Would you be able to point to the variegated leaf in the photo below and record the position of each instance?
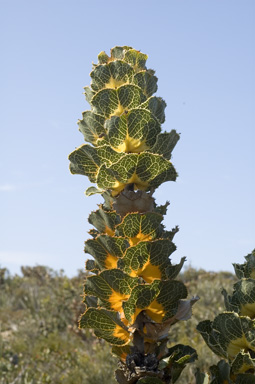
(106, 325)
(106, 250)
(243, 299)
(160, 300)
(148, 259)
(228, 334)
(140, 227)
(104, 221)
(111, 287)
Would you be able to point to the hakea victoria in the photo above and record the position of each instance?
(131, 295)
(231, 334)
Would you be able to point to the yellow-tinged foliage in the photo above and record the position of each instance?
(116, 299)
(134, 316)
(132, 145)
(252, 274)
(148, 272)
(156, 311)
(139, 237)
(118, 111)
(113, 83)
(121, 333)
(236, 345)
(138, 184)
(108, 231)
(244, 368)
(248, 310)
(111, 261)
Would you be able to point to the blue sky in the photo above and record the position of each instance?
(203, 54)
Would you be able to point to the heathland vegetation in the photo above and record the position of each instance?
(40, 341)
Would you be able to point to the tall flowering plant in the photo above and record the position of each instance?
(131, 294)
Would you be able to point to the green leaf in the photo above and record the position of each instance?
(90, 302)
(140, 226)
(130, 96)
(109, 102)
(247, 269)
(177, 358)
(136, 59)
(156, 105)
(221, 373)
(103, 58)
(87, 160)
(108, 156)
(155, 330)
(170, 234)
(171, 292)
(242, 363)
(111, 75)
(89, 93)
(162, 209)
(111, 287)
(243, 299)
(92, 127)
(108, 200)
(165, 144)
(228, 334)
(141, 297)
(121, 352)
(92, 266)
(119, 52)
(106, 326)
(134, 131)
(147, 82)
(144, 170)
(148, 259)
(106, 250)
(205, 328)
(94, 233)
(160, 300)
(92, 191)
(104, 221)
(105, 102)
(172, 271)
